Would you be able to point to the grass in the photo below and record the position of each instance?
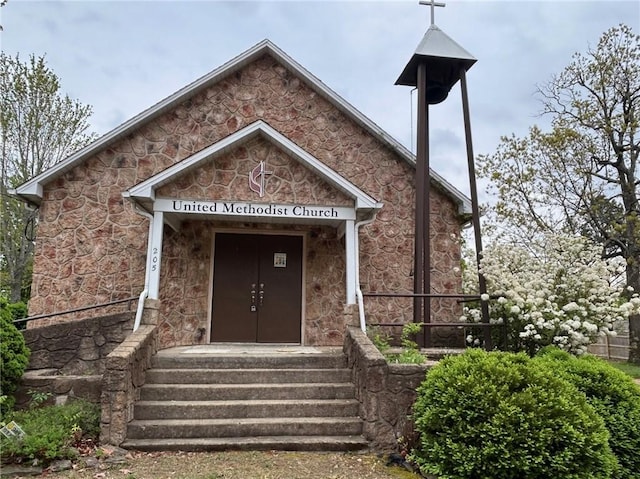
(631, 369)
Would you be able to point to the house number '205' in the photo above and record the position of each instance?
(154, 259)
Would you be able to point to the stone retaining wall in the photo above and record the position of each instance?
(67, 360)
(386, 391)
(79, 347)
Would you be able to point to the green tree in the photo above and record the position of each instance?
(581, 177)
(38, 127)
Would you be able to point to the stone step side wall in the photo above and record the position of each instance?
(386, 392)
(122, 380)
(124, 375)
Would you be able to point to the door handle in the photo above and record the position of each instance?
(253, 308)
(261, 293)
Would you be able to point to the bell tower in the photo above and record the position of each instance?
(437, 64)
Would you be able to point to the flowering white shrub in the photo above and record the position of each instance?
(560, 293)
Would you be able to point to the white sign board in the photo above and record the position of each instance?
(270, 210)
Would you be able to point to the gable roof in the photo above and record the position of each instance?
(32, 190)
(144, 192)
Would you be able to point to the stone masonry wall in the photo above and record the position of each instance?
(125, 374)
(80, 347)
(91, 245)
(67, 360)
(126, 367)
(386, 391)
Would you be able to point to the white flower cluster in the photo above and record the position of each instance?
(563, 294)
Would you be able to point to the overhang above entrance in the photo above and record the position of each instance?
(178, 209)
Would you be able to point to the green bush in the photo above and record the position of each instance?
(615, 398)
(501, 415)
(51, 431)
(14, 356)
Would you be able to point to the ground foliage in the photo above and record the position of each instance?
(52, 432)
(409, 352)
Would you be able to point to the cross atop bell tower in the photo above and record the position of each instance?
(432, 4)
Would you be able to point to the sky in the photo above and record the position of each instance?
(122, 56)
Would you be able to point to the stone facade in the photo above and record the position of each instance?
(91, 245)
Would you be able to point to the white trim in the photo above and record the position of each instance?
(230, 209)
(350, 250)
(155, 259)
(32, 190)
(145, 292)
(360, 297)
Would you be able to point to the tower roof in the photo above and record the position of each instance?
(438, 46)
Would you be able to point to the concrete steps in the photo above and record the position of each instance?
(204, 392)
(239, 376)
(247, 427)
(247, 408)
(262, 443)
(244, 401)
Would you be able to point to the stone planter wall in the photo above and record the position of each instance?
(60, 388)
(386, 391)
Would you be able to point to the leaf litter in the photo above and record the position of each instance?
(239, 465)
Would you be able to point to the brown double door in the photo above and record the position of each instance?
(257, 288)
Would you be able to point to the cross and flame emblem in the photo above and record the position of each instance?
(257, 177)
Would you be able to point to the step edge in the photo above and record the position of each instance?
(242, 421)
(248, 402)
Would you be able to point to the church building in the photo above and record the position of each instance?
(255, 205)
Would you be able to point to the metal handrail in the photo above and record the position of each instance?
(454, 324)
(428, 324)
(463, 297)
(423, 295)
(77, 310)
